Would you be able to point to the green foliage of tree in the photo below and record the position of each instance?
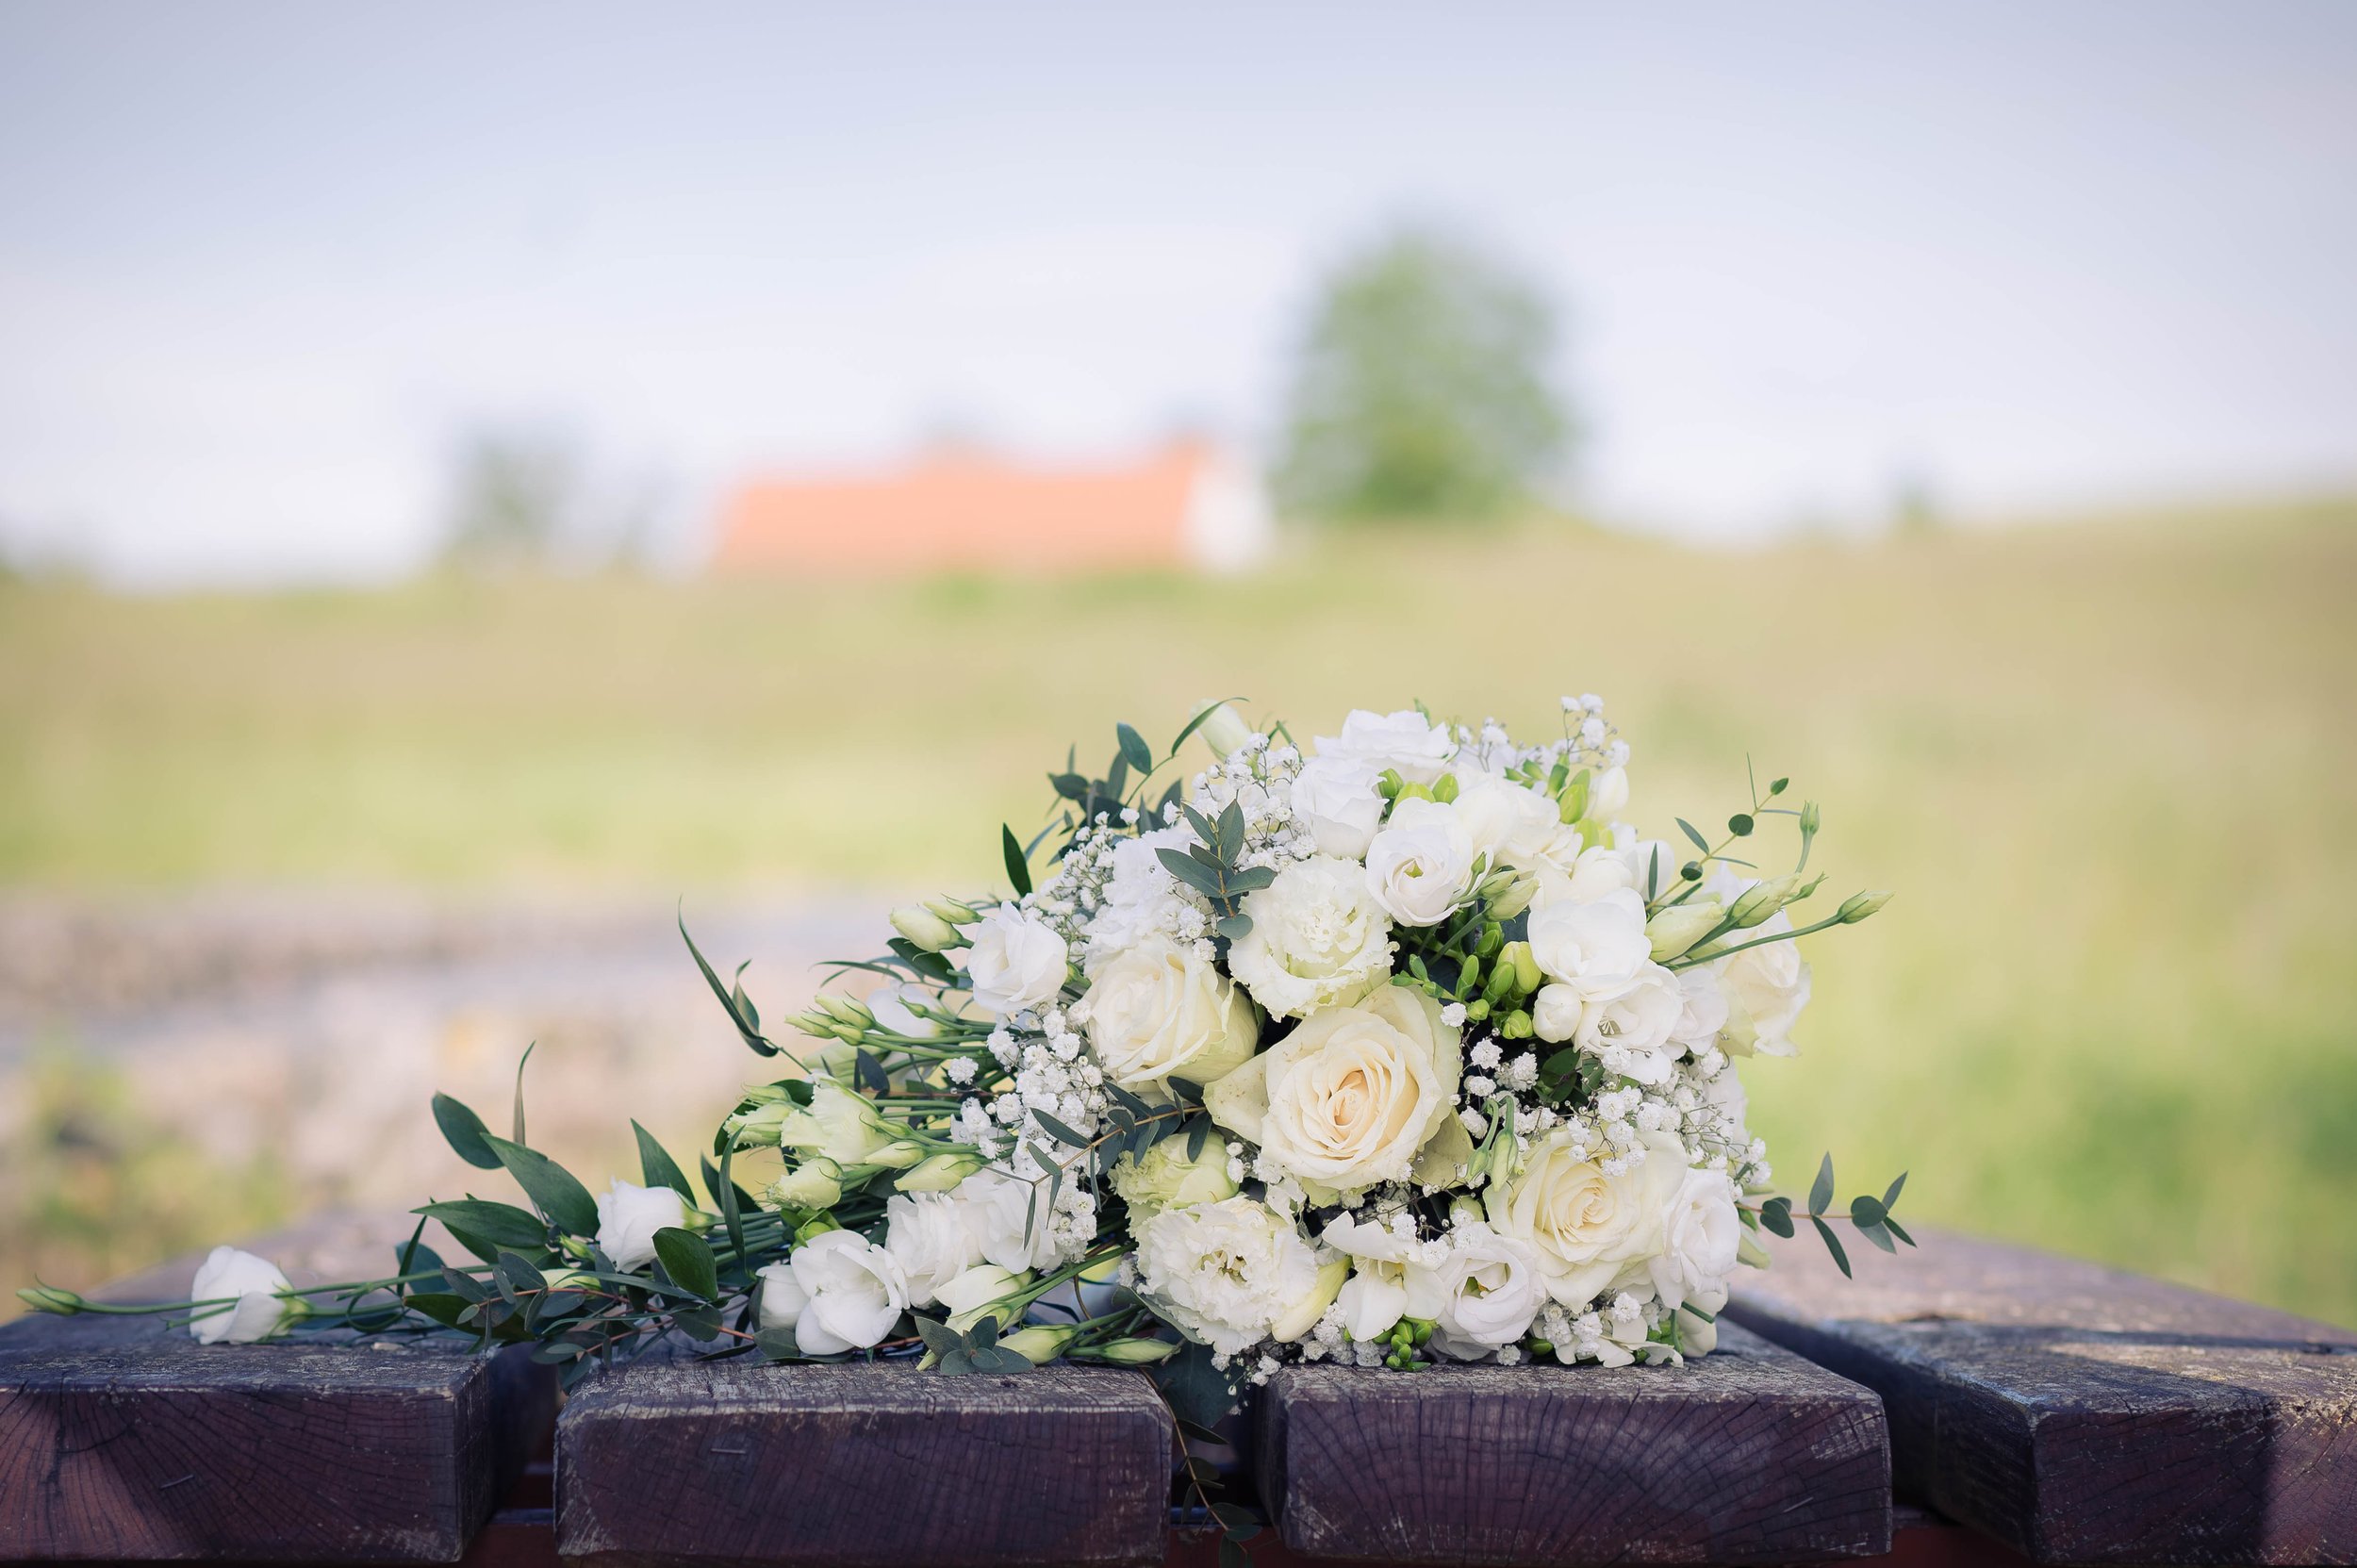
(1423, 389)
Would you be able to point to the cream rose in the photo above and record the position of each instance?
(1354, 1096)
(1420, 866)
(628, 1217)
(1157, 1010)
(1588, 1226)
(1318, 938)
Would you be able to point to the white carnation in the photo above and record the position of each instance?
(1225, 1273)
(1318, 939)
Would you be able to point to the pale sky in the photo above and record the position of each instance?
(262, 268)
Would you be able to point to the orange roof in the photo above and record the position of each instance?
(956, 508)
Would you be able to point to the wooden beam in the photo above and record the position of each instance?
(1747, 1455)
(122, 1438)
(2081, 1413)
(675, 1462)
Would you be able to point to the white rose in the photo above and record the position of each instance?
(1140, 898)
(1482, 1296)
(1420, 866)
(259, 1311)
(1157, 1010)
(1354, 1096)
(1376, 1296)
(1336, 798)
(1587, 1225)
(1318, 938)
(1017, 963)
(628, 1217)
(1631, 1032)
(1165, 1177)
(1224, 1273)
(850, 1293)
(1700, 1237)
(1006, 1228)
(1766, 987)
(932, 1236)
(1598, 950)
(1407, 741)
(838, 1124)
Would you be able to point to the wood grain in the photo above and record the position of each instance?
(2081, 1413)
(1750, 1455)
(673, 1461)
(122, 1438)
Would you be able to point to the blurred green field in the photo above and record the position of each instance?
(2108, 766)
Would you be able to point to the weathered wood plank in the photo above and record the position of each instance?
(672, 1460)
(2081, 1413)
(123, 1439)
(1750, 1455)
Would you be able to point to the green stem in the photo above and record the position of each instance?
(1692, 959)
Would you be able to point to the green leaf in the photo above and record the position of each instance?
(519, 1118)
(1240, 1522)
(500, 1224)
(1821, 1190)
(1018, 869)
(700, 1324)
(869, 1072)
(1251, 879)
(1198, 1134)
(1740, 825)
(687, 1258)
(1234, 927)
(1891, 1197)
(1193, 872)
(1059, 1131)
(518, 1274)
(1231, 1553)
(1196, 723)
(733, 1202)
(443, 1309)
(1876, 1234)
(1865, 1212)
(1192, 1388)
(749, 1031)
(1071, 786)
(1688, 830)
(464, 1131)
(1231, 831)
(1134, 749)
(658, 1167)
(552, 1188)
(414, 1257)
(1833, 1244)
(1776, 1215)
(1893, 1227)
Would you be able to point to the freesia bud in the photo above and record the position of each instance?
(1763, 901)
(1388, 784)
(49, 1298)
(817, 1225)
(1444, 788)
(978, 1293)
(1303, 1315)
(1509, 894)
(941, 1172)
(1681, 925)
(1528, 975)
(1225, 732)
(899, 1154)
(1748, 1249)
(812, 1184)
(1039, 1344)
(1517, 1026)
(1858, 906)
(956, 912)
(1135, 1352)
(923, 927)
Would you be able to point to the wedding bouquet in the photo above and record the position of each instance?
(1406, 1048)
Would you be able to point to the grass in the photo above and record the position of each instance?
(2108, 767)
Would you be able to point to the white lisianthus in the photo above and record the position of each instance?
(1632, 1032)
(1498, 815)
(1017, 962)
(932, 1236)
(1421, 866)
(1157, 1010)
(1223, 728)
(1597, 949)
(1140, 898)
(260, 1311)
(1318, 938)
(1376, 1296)
(838, 1124)
(628, 1217)
(1354, 1096)
(1006, 1230)
(978, 1293)
(1406, 741)
(1766, 987)
(895, 1010)
(1556, 1013)
(1608, 794)
(1225, 1273)
(1336, 798)
(1700, 1237)
(1482, 1296)
(1724, 1091)
(1655, 861)
(838, 1292)
(1703, 1012)
(1164, 1177)
(1587, 1225)
(1699, 1336)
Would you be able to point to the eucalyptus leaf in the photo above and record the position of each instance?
(1694, 835)
(1833, 1244)
(1821, 1190)
(1133, 747)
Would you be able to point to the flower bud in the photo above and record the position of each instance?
(49, 1298)
(979, 1293)
(1858, 906)
(1303, 1315)
(1517, 1025)
(1572, 803)
(1681, 925)
(1444, 788)
(941, 1172)
(812, 1184)
(1810, 819)
(1039, 1344)
(1528, 975)
(1388, 784)
(1478, 1009)
(817, 1225)
(1509, 893)
(570, 1279)
(923, 927)
(899, 1154)
(956, 911)
(1224, 730)
(1762, 901)
(845, 1011)
(1135, 1352)
(1748, 1249)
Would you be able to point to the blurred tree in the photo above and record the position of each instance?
(514, 498)
(1423, 389)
